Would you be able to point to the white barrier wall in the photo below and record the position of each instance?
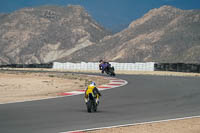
(149, 66)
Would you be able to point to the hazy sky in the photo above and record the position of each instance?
(112, 14)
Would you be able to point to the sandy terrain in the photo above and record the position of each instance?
(22, 86)
(176, 126)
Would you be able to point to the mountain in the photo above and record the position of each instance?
(46, 33)
(52, 33)
(166, 34)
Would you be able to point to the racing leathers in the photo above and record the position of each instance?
(94, 91)
(104, 66)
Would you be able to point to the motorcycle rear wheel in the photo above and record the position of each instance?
(89, 106)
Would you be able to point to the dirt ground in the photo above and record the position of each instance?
(175, 126)
(23, 86)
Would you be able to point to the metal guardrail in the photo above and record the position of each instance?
(45, 65)
(177, 67)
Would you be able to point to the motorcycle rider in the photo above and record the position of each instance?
(103, 66)
(92, 89)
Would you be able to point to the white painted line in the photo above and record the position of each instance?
(134, 124)
(75, 92)
(101, 89)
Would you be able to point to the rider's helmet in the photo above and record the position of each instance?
(93, 83)
(100, 61)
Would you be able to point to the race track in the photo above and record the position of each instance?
(144, 98)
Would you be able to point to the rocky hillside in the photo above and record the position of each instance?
(46, 34)
(166, 34)
(51, 33)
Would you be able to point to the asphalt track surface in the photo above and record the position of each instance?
(143, 99)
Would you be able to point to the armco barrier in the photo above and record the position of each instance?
(46, 65)
(149, 66)
(177, 67)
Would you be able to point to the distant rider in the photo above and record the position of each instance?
(103, 66)
(92, 89)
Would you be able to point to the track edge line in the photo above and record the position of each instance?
(133, 124)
